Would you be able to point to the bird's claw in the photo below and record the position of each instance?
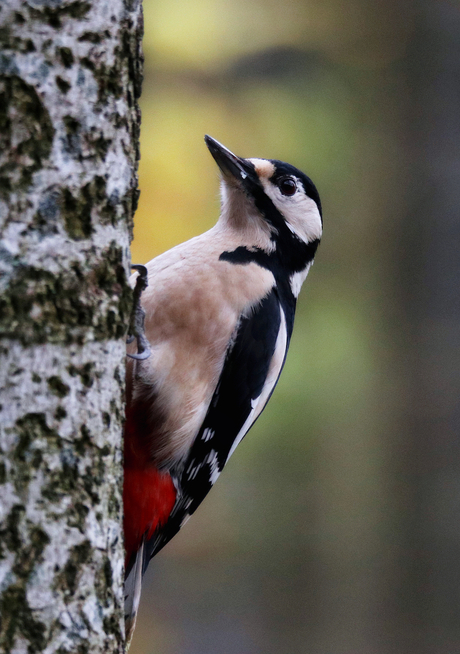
(136, 325)
(141, 355)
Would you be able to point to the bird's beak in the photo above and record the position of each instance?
(229, 164)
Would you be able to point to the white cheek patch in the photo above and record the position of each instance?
(300, 211)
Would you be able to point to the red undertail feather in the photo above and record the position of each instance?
(148, 495)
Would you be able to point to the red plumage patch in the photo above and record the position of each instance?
(148, 497)
(148, 494)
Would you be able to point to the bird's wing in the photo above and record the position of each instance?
(253, 363)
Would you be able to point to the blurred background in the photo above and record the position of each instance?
(335, 528)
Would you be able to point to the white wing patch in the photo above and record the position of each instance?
(213, 462)
(276, 364)
(193, 470)
(207, 434)
(297, 279)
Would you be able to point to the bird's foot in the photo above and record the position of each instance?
(136, 323)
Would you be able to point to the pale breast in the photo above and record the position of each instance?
(192, 306)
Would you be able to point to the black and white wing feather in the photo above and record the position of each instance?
(253, 363)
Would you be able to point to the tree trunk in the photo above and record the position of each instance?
(70, 76)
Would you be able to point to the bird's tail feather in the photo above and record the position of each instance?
(133, 585)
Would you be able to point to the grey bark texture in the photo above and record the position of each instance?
(70, 76)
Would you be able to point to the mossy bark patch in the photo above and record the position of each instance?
(89, 301)
(26, 133)
(18, 621)
(55, 13)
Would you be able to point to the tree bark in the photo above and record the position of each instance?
(70, 76)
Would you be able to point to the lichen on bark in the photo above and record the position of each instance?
(70, 77)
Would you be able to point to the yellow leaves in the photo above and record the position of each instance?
(204, 33)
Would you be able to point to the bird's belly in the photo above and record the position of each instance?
(171, 391)
(185, 393)
(189, 325)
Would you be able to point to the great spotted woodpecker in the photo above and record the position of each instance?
(219, 312)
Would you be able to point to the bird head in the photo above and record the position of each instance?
(277, 197)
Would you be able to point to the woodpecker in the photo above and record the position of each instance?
(219, 313)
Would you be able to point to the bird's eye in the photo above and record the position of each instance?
(287, 186)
